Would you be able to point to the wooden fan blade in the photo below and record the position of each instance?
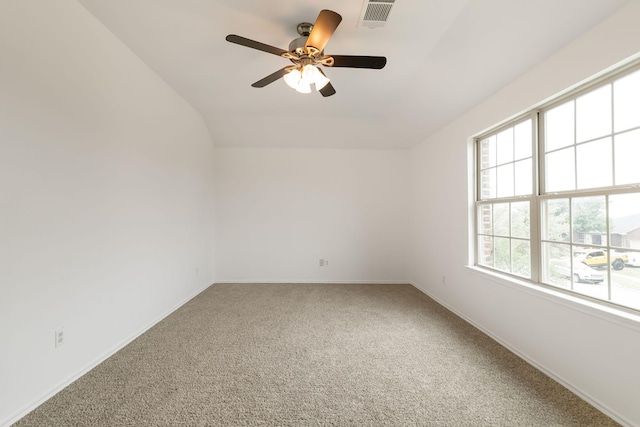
(271, 78)
(243, 41)
(354, 61)
(323, 29)
(328, 90)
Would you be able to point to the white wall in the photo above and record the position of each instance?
(106, 198)
(278, 211)
(106, 207)
(590, 351)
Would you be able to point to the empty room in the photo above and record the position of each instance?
(364, 212)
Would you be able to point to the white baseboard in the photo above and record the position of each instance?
(548, 372)
(346, 282)
(46, 396)
(66, 382)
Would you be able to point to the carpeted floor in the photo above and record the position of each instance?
(321, 354)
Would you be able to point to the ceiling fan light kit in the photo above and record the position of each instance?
(302, 79)
(307, 54)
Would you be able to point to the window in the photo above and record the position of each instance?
(506, 189)
(558, 193)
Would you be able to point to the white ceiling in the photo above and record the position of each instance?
(443, 57)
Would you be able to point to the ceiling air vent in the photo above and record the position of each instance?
(375, 13)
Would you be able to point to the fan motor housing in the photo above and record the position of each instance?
(297, 43)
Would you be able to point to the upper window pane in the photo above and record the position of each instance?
(561, 170)
(593, 114)
(522, 137)
(626, 102)
(559, 126)
(488, 184)
(595, 168)
(505, 146)
(504, 179)
(522, 176)
(488, 152)
(505, 162)
(627, 149)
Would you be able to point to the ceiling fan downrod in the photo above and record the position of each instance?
(304, 28)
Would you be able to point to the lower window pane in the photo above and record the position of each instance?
(625, 283)
(624, 223)
(502, 253)
(501, 219)
(592, 287)
(556, 264)
(555, 220)
(521, 257)
(485, 251)
(596, 257)
(590, 271)
(587, 272)
(575, 273)
(485, 219)
(589, 220)
(520, 220)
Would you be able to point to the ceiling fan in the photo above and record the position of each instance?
(307, 53)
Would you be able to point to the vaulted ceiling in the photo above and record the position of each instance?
(443, 58)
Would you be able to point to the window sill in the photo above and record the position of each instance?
(604, 311)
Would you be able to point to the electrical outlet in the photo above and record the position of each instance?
(321, 262)
(326, 263)
(59, 336)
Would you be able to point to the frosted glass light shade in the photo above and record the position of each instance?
(301, 79)
(313, 75)
(292, 78)
(303, 87)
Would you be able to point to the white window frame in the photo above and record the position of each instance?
(531, 198)
(539, 195)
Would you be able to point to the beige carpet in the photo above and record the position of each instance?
(320, 355)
